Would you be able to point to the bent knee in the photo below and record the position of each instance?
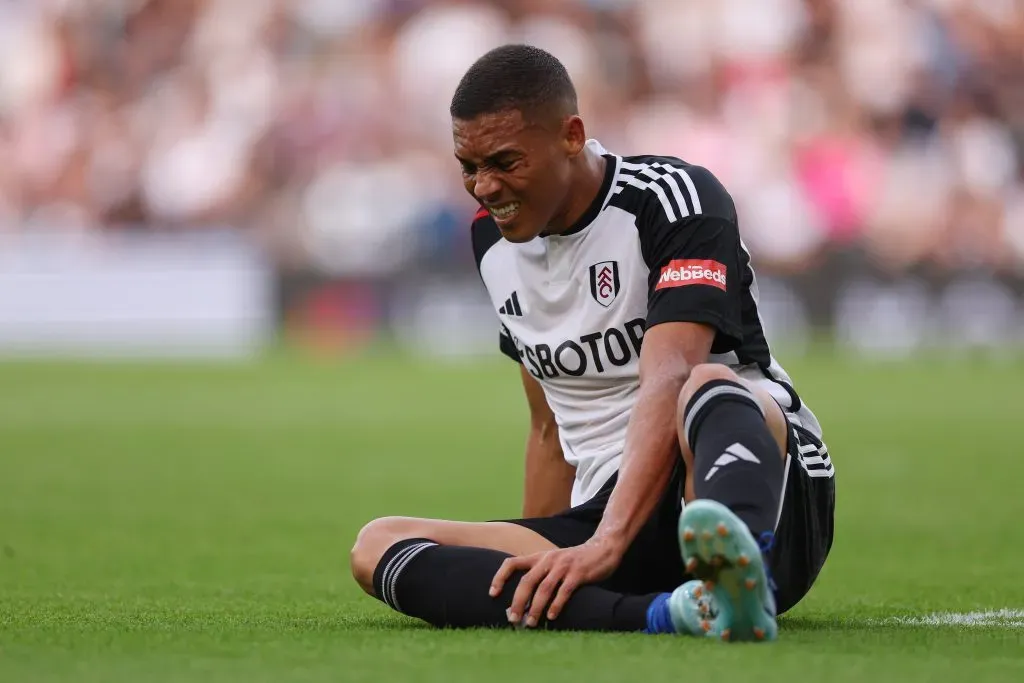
(372, 542)
(699, 376)
(708, 372)
(704, 373)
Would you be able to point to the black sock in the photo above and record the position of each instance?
(736, 459)
(448, 586)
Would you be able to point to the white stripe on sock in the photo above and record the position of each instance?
(387, 571)
(712, 393)
(413, 552)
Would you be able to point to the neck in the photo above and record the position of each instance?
(588, 177)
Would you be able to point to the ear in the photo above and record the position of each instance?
(574, 135)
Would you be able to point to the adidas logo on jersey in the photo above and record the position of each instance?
(692, 272)
(735, 452)
(511, 307)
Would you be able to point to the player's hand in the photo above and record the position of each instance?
(553, 574)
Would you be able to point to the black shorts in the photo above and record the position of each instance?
(803, 535)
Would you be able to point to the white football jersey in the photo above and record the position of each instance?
(660, 243)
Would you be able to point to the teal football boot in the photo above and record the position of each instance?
(692, 609)
(733, 599)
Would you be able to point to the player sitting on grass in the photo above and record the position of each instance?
(627, 296)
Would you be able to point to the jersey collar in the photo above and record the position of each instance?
(595, 206)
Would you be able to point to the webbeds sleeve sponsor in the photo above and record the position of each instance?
(682, 272)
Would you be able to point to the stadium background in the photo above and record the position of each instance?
(270, 183)
(214, 175)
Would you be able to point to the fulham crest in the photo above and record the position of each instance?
(604, 282)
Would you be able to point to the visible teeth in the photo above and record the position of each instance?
(506, 210)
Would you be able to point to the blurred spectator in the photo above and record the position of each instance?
(895, 127)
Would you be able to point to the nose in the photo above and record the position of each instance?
(486, 187)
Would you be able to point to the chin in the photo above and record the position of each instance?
(518, 234)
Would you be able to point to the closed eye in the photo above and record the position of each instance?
(503, 163)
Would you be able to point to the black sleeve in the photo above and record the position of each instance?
(508, 345)
(694, 265)
(484, 235)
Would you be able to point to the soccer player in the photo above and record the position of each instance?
(626, 295)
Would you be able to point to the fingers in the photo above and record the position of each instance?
(525, 591)
(544, 592)
(550, 578)
(569, 584)
(509, 567)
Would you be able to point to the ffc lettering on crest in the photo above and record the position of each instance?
(604, 282)
(682, 272)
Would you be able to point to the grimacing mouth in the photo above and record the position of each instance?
(505, 210)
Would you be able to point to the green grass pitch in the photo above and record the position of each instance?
(192, 522)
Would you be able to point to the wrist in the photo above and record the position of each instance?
(613, 542)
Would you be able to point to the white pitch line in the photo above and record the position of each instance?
(1001, 618)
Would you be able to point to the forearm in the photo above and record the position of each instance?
(548, 478)
(648, 459)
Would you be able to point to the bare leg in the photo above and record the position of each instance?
(380, 534)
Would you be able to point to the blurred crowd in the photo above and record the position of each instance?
(894, 128)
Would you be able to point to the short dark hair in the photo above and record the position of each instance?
(519, 77)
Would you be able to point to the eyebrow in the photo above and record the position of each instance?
(497, 156)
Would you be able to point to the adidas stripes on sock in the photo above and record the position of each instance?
(736, 459)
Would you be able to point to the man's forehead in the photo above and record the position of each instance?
(491, 131)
